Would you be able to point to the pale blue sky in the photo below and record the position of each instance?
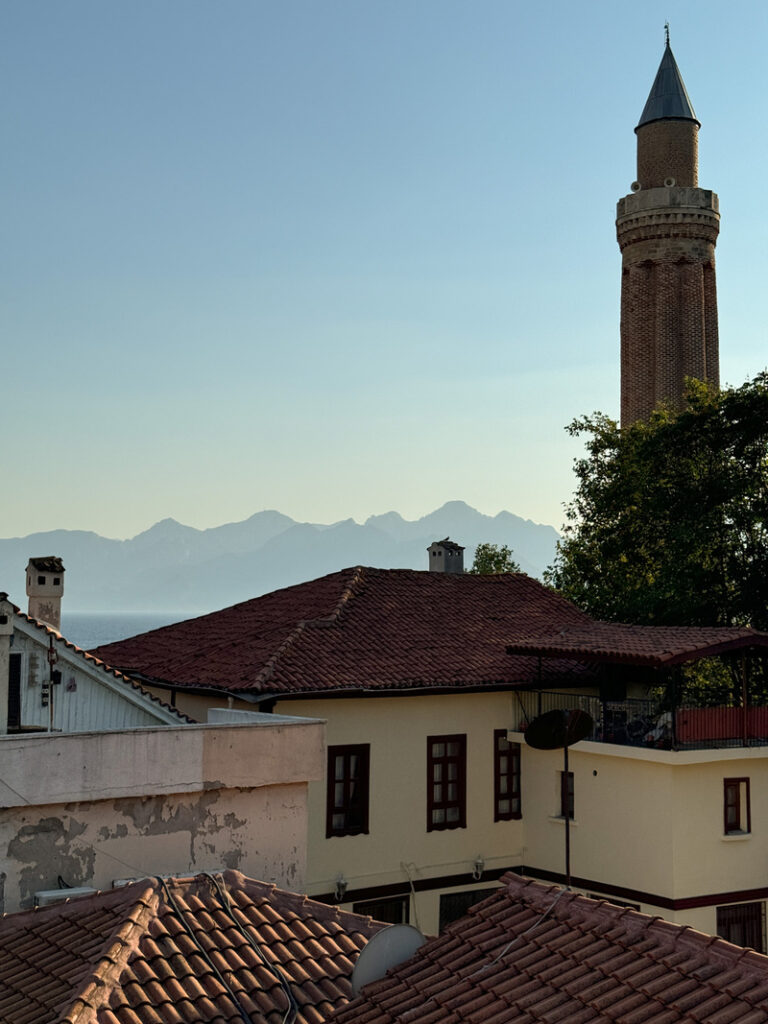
(334, 256)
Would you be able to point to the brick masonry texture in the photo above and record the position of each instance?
(668, 296)
(668, 149)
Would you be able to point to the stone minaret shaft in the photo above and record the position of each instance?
(667, 231)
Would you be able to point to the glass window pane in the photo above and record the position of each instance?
(453, 792)
(453, 749)
(438, 816)
(452, 814)
(437, 794)
(338, 821)
(438, 750)
(504, 807)
(338, 794)
(437, 772)
(338, 767)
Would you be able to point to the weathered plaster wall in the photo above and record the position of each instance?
(259, 831)
(93, 807)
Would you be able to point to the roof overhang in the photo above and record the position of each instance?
(650, 646)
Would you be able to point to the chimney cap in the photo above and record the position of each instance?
(47, 563)
(448, 544)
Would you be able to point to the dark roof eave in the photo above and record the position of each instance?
(655, 120)
(744, 644)
(263, 697)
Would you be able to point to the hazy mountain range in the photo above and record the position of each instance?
(172, 567)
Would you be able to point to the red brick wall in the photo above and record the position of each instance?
(668, 149)
(668, 297)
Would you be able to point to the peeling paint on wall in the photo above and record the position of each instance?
(49, 849)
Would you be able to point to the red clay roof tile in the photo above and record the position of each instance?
(637, 645)
(359, 629)
(607, 976)
(80, 974)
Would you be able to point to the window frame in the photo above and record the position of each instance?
(733, 786)
(460, 760)
(742, 917)
(373, 908)
(567, 796)
(512, 776)
(332, 808)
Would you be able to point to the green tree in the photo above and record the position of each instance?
(668, 523)
(491, 558)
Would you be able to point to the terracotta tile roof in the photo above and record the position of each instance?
(178, 951)
(536, 954)
(101, 665)
(359, 629)
(638, 645)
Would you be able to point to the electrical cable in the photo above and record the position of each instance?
(407, 869)
(224, 901)
(522, 935)
(176, 909)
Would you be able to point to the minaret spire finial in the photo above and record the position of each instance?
(666, 32)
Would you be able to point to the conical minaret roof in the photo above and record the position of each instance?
(668, 98)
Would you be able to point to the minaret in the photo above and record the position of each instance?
(667, 229)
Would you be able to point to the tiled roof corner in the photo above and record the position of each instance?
(536, 954)
(201, 948)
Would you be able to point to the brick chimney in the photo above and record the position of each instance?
(446, 556)
(45, 585)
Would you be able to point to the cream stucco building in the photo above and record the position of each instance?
(426, 681)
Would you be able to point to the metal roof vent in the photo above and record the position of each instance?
(46, 897)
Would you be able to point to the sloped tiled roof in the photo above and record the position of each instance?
(536, 954)
(181, 951)
(94, 662)
(639, 645)
(359, 629)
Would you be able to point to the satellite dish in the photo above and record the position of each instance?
(557, 729)
(388, 948)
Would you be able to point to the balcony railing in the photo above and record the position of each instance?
(641, 723)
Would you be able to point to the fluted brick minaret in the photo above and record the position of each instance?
(667, 229)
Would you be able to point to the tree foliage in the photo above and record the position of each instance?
(492, 558)
(668, 524)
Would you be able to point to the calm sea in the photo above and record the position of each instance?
(91, 629)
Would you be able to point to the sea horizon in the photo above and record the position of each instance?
(93, 629)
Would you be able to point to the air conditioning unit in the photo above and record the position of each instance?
(45, 897)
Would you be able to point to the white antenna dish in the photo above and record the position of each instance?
(388, 948)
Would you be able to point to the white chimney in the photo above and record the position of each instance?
(446, 556)
(45, 585)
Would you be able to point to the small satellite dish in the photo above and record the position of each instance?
(559, 728)
(388, 948)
